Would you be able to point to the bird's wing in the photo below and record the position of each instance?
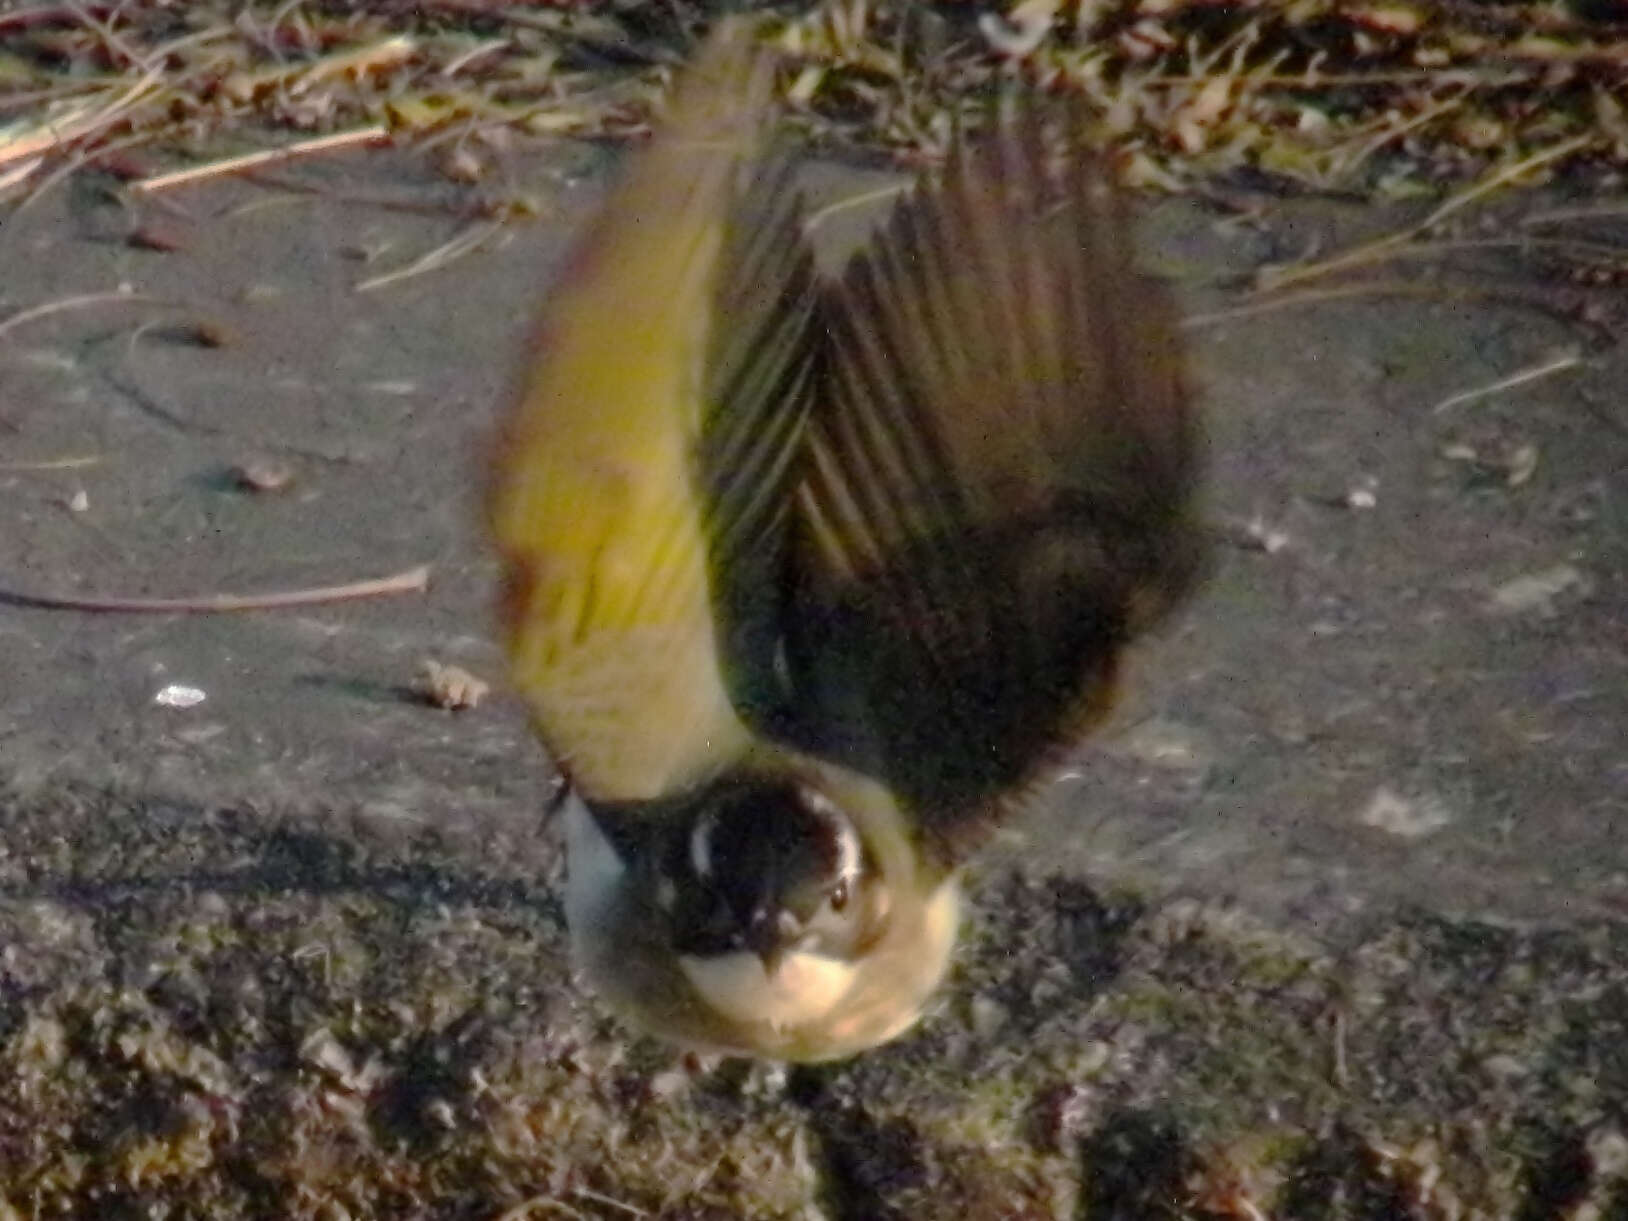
(1001, 469)
(759, 382)
(601, 504)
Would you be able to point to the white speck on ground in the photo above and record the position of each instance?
(1407, 817)
(1537, 591)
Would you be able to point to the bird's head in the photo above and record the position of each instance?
(785, 912)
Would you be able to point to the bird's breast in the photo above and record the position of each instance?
(803, 988)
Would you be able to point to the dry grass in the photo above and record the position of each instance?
(1457, 100)
(1378, 97)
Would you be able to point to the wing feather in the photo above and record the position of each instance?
(605, 502)
(1000, 481)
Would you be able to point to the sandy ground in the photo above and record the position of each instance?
(1327, 925)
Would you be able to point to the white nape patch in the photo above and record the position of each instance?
(848, 846)
(701, 846)
(804, 989)
(837, 823)
(593, 870)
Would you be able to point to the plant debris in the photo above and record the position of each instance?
(263, 473)
(450, 687)
(1389, 99)
(413, 580)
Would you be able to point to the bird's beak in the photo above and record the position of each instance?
(771, 958)
(766, 939)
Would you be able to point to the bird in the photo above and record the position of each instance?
(812, 580)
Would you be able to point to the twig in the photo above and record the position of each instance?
(250, 161)
(413, 580)
(1557, 364)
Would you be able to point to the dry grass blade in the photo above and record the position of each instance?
(91, 118)
(413, 580)
(1556, 364)
(302, 77)
(55, 464)
(449, 252)
(20, 172)
(1344, 292)
(258, 160)
(862, 199)
(1338, 97)
(81, 301)
(1275, 279)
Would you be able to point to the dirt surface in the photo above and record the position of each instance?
(1325, 926)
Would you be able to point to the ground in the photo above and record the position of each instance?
(1328, 924)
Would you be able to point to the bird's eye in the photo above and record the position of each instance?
(839, 896)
